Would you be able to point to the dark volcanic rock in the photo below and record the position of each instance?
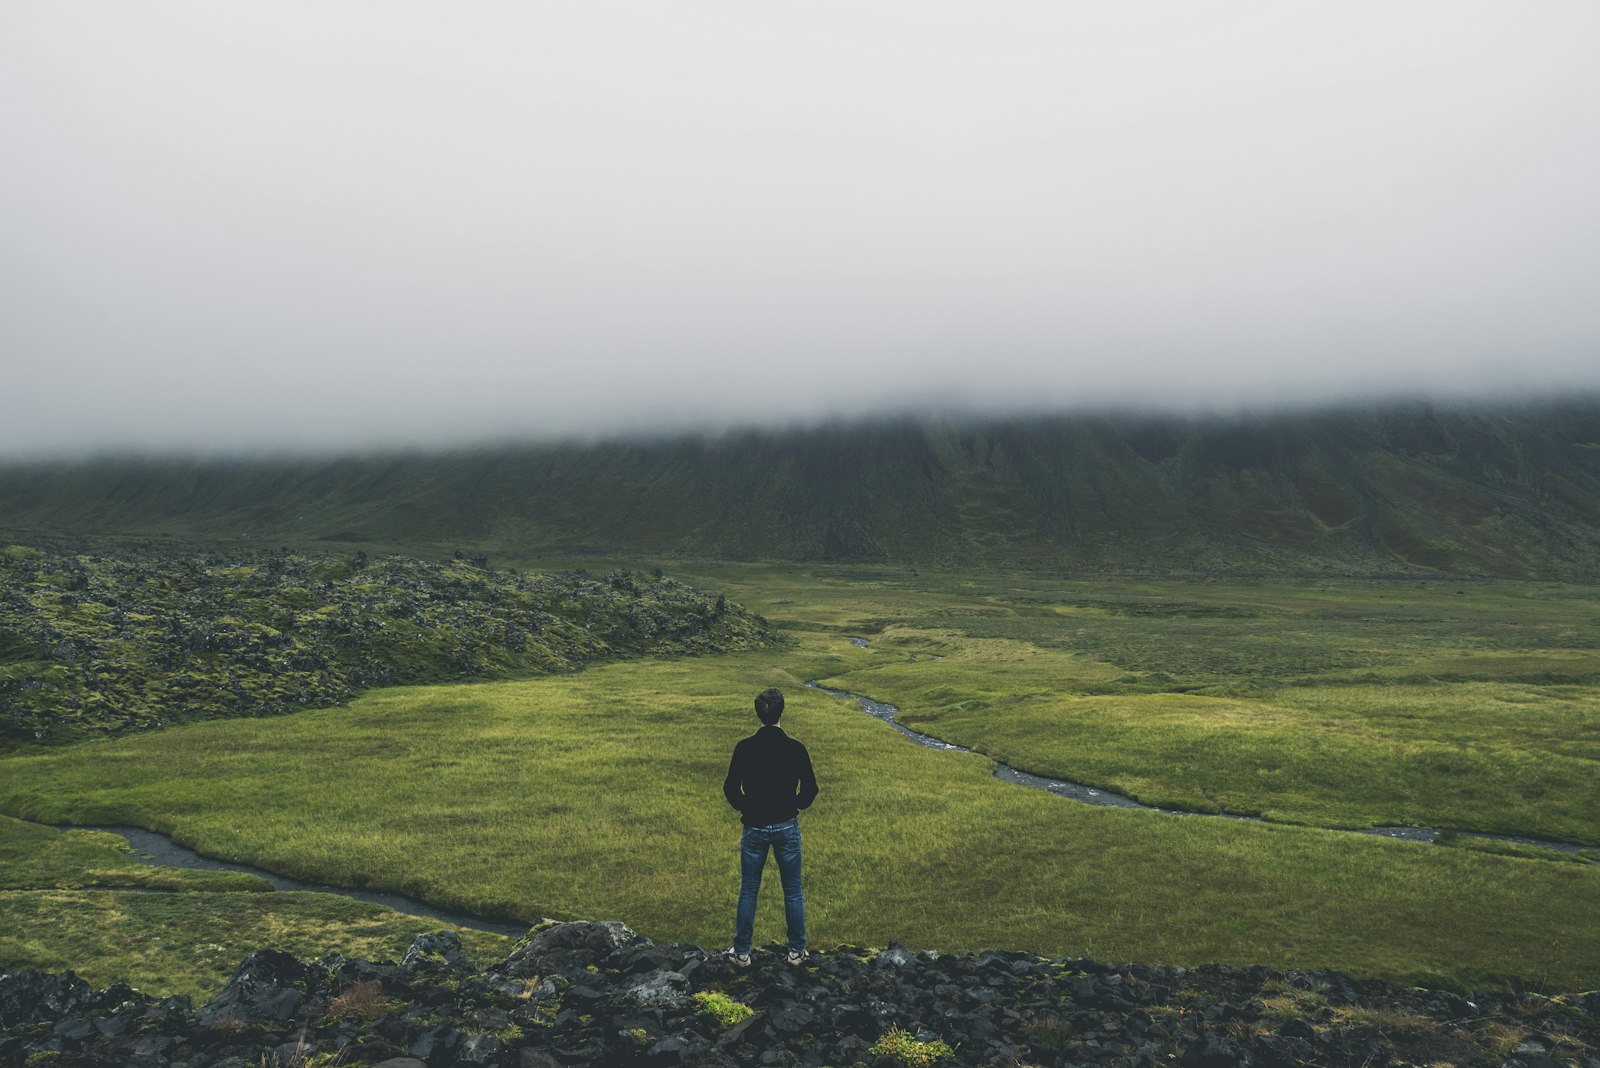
(31, 995)
(268, 985)
(597, 993)
(563, 947)
(439, 953)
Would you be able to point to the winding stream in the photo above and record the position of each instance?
(1092, 795)
(155, 848)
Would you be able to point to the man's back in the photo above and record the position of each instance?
(769, 781)
(769, 778)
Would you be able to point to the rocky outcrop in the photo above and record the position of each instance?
(150, 636)
(597, 993)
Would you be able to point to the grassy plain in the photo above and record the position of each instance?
(597, 795)
(78, 900)
(1473, 706)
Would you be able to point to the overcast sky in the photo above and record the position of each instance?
(243, 225)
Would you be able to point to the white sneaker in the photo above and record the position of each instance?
(737, 959)
(799, 956)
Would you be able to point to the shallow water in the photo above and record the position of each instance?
(155, 848)
(1093, 795)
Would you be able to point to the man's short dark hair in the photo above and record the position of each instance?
(769, 705)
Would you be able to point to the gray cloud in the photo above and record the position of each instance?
(324, 225)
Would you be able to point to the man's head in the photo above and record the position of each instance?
(769, 705)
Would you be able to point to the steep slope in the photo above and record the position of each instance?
(1510, 490)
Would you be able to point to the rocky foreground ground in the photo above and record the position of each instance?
(597, 993)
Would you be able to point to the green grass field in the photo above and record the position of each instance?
(597, 795)
(1469, 706)
(77, 900)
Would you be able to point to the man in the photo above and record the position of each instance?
(769, 781)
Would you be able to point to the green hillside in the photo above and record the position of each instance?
(1508, 490)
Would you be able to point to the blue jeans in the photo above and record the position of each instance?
(784, 839)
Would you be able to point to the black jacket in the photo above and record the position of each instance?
(769, 778)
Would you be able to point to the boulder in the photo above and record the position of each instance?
(1214, 1051)
(434, 955)
(267, 985)
(664, 988)
(567, 947)
(437, 1044)
(895, 957)
(791, 1017)
(33, 996)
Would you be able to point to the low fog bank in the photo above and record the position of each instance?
(307, 227)
(314, 402)
(371, 440)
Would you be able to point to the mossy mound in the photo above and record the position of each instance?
(94, 645)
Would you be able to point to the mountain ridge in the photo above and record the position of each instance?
(1507, 490)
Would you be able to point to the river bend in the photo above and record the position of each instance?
(1092, 795)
